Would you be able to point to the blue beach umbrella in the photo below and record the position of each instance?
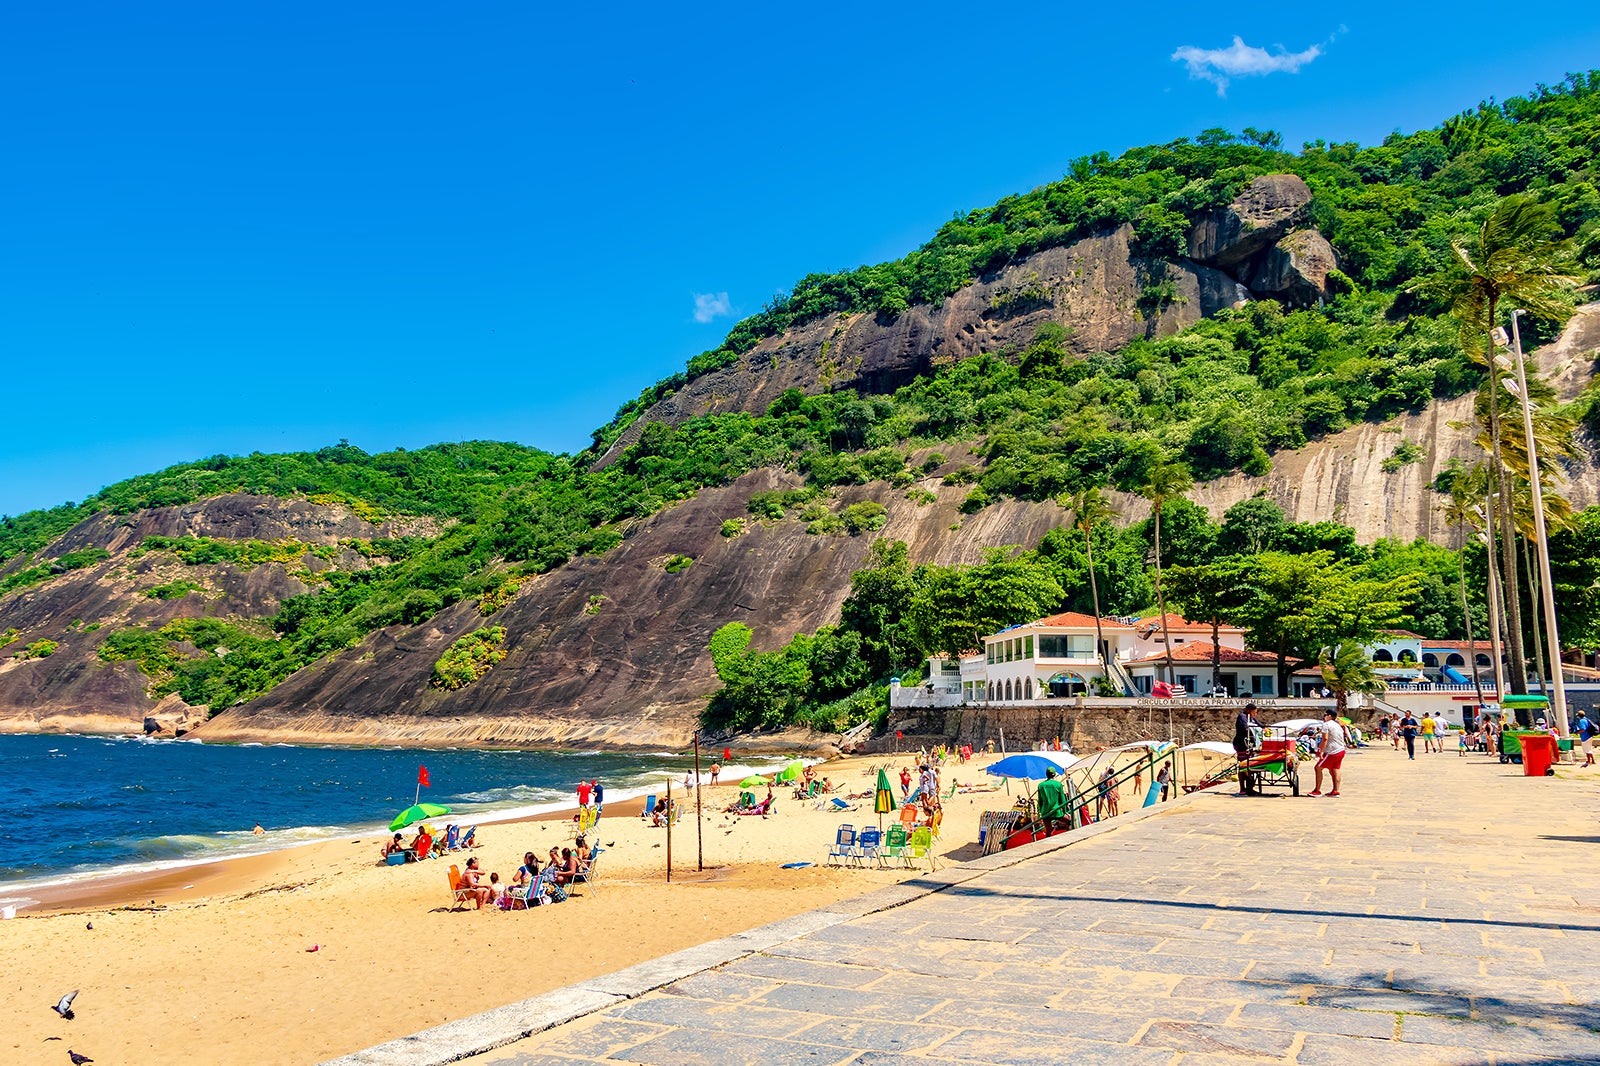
(1026, 766)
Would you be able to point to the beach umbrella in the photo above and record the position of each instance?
(1028, 765)
(792, 771)
(416, 813)
(883, 801)
(753, 781)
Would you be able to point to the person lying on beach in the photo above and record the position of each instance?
(473, 883)
(394, 847)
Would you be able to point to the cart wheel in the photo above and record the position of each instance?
(1549, 771)
(1504, 758)
(1294, 783)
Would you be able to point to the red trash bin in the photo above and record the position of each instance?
(1538, 754)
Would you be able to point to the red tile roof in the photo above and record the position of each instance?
(1077, 620)
(1200, 651)
(1178, 622)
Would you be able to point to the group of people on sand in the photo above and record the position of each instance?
(561, 869)
(423, 844)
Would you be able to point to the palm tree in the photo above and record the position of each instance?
(1089, 509)
(1461, 512)
(1167, 481)
(1346, 669)
(1515, 257)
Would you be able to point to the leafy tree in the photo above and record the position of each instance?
(1214, 592)
(955, 607)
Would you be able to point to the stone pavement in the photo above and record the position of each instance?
(1436, 913)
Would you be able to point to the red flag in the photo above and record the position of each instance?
(899, 735)
(727, 754)
(422, 777)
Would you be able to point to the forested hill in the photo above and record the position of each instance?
(1212, 302)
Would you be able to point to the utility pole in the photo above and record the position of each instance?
(699, 830)
(1559, 704)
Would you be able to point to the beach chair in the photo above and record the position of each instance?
(425, 849)
(589, 874)
(521, 897)
(844, 844)
(894, 846)
(867, 843)
(649, 807)
(467, 840)
(452, 839)
(458, 895)
(920, 847)
(908, 818)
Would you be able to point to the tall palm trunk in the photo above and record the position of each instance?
(1518, 679)
(1540, 663)
(1466, 615)
(1496, 613)
(1094, 593)
(1161, 605)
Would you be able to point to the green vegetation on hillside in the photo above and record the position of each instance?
(1219, 397)
(469, 658)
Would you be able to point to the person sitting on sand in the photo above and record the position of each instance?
(554, 860)
(418, 846)
(583, 852)
(496, 889)
(567, 868)
(472, 882)
(527, 871)
(394, 847)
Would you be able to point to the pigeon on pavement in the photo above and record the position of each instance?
(77, 1059)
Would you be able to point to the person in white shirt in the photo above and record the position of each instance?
(1330, 752)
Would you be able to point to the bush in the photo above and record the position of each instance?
(976, 500)
(469, 658)
(39, 649)
(921, 497)
(732, 527)
(173, 590)
(1403, 456)
(962, 475)
(596, 602)
(827, 524)
(865, 517)
(676, 563)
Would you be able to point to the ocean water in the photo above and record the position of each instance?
(79, 806)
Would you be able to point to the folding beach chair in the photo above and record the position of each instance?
(867, 844)
(649, 807)
(894, 846)
(920, 847)
(458, 895)
(844, 844)
(590, 874)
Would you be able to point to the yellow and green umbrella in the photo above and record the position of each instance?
(883, 800)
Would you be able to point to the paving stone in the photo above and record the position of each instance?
(1321, 1049)
(1111, 1028)
(1547, 1043)
(804, 971)
(743, 1019)
(1391, 1001)
(845, 1003)
(1223, 1039)
(721, 986)
(686, 1048)
(874, 1035)
(1029, 1049)
(1297, 1019)
(599, 1038)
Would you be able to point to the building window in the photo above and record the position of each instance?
(1187, 681)
(1142, 683)
(1382, 656)
(1027, 688)
(1027, 647)
(1081, 647)
(1430, 659)
(1263, 684)
(1053, 647)
(990, 649)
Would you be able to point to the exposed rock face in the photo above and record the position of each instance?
(1093, 287)
(1260, 216)
(73, 689)
(1295, 270)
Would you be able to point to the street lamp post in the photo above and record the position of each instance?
(1559, 703)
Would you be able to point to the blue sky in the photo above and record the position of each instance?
(236, 227)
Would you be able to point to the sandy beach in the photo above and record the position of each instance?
(220, 957)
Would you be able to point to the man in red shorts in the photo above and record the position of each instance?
(1330, 752)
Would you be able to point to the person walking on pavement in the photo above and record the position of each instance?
(1330, 752)
(1408, 733)
(1427, 733)
(1586, 731)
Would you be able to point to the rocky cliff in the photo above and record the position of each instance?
(1257, 247)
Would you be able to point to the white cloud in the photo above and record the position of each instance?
(710, 305)
(1240, 60)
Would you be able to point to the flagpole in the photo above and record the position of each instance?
(670, 813)
(699, 830)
